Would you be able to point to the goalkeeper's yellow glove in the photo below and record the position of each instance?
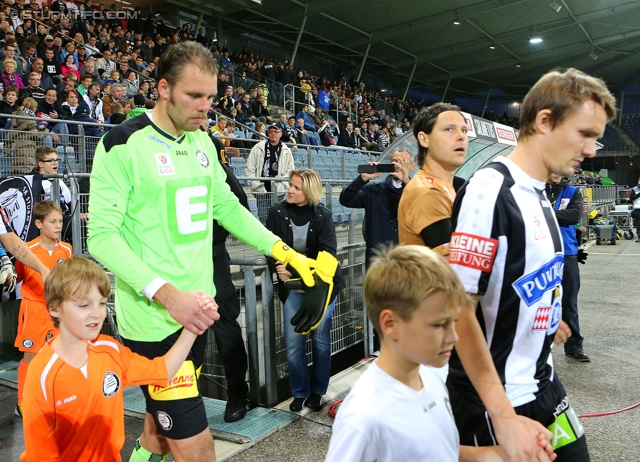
(316, 298)
(303, 265)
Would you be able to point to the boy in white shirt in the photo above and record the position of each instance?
(399, 408)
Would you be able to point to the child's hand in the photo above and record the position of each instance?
(207, 302)
(546, 445)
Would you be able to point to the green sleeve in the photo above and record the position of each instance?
(111, 186)
(236, 219)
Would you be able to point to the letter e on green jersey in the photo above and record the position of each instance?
(189, 214)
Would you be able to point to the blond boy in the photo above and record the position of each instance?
(74, 395)
(399, 409)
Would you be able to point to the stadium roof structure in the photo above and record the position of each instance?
(465, 46)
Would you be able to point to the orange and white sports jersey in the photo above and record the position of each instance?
(73, 414)
(32, 285)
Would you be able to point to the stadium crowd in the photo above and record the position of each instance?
(88, 63)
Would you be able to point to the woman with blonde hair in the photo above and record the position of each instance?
(306, 225)
(9, 75)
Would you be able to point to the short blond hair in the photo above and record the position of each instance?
(73, 279)
(311, 184)
(43, 208)
(30, 103)
(563, 93)
(401, 278)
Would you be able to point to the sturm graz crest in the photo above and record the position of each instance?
(17, 201)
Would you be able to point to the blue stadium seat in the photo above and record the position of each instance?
(317, 162)
(297, 164)
(325, 174)
(322, 152)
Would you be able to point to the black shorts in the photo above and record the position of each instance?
(177, 409)
(552, 409)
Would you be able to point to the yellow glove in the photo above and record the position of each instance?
(316, 298)
(303, 265)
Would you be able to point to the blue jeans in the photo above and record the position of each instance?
(62, 130)
(570, 289)
(301, 382)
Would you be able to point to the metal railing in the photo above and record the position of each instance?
(77, 150)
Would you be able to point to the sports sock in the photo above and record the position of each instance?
(22, 377)
(140, 454)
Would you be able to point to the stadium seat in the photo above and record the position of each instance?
(318, 162)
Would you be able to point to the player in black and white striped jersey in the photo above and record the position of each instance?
(508, 252)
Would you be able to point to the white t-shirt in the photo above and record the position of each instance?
(384, 420)
(64, 190)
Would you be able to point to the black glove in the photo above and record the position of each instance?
(316, 298)
(582, 256)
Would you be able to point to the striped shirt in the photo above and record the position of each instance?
(507, 248)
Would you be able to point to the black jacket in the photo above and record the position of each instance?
(380, 201)
(6, 108)
(346, 139)
(321, 236)
(220, 234)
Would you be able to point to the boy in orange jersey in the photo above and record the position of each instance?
(34, 322)
(74, 394)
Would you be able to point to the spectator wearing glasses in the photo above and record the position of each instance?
(47, 163)
(34, 90)
(10, 52)
(38, 67)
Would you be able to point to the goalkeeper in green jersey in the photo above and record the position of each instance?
(156, 188)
